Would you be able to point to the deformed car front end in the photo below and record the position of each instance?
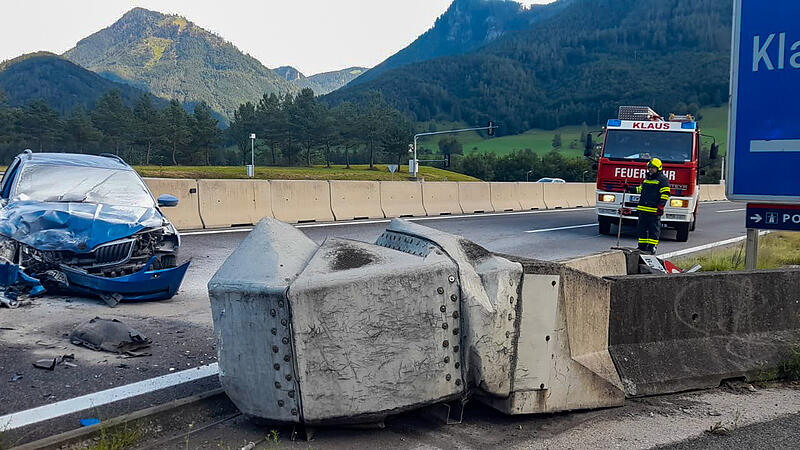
(88, 225)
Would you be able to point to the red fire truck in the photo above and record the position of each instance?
(638, 135)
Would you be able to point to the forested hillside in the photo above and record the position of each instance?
(465, 26)
(577, 66)
(60, 83)
(175, 59)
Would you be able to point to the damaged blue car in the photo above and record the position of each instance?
(88, 225)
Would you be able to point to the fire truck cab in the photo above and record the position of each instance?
(634, 138)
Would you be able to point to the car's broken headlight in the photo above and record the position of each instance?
(8, 250)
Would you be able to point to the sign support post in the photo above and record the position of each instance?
(751, 250)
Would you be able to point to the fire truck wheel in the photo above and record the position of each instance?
(605, 225)
(683, 232)
(694, 222)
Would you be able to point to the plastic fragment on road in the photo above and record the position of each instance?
(17, 284)
(89, 422)
(110, 335)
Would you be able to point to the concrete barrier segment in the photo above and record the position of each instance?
(376, 332)
(250, 311)
(440, 198)
(475, 197)
(185, 216)
(224, 203)
(401, 199)
(296, 201)
(693, 331)
(565, 195)
(356, 200)
(606, 264)
(591, 194)
(489, 289)
(505, 197)
(562, 357)
(531, 196)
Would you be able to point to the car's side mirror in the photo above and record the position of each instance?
(702, 172)
(594, 166)
(167, 201)
(714, 151)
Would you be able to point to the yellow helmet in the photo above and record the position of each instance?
(655, 162)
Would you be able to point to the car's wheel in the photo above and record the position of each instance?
(683, 232)
(604, 225)
(169, 261)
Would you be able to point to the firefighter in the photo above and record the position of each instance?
(654, 194)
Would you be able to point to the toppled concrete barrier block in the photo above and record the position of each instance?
(352, 332)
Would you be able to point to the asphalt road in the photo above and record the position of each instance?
(549, 235)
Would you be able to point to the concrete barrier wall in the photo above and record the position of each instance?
(185, 216)
(716, 192)
(692, 331)
(224, 203)
(531, 196)
(356, 200)
(505, 196)
(440, 198)
(475, 197)
(401, 199)
(301, 201)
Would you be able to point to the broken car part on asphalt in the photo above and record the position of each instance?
(110, 335)
(95, 231)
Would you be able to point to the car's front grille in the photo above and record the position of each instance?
(113, 253)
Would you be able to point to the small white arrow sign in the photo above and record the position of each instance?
(756, 218)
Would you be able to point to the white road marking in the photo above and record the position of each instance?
(700, 248)
(412, 219)
(544, 230)
(73, 405)
(732, 210)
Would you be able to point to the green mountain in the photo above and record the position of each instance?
(576, 65)
(62, 84)
(465, 26)
(321, 83)
(175, 59)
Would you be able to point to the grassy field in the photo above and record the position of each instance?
(357, 172)
(776, 250)
(713, 122)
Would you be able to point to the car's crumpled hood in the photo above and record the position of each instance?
(77, 227)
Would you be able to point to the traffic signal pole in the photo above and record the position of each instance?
(490, 128)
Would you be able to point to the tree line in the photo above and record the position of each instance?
(141, 133)
(300, 130)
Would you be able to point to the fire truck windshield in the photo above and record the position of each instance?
(645, 145)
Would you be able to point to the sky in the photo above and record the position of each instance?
(311, 35)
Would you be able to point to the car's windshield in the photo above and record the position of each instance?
(645, 145)
(51, 183)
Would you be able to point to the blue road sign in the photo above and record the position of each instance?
(773, 217)
(764, 127)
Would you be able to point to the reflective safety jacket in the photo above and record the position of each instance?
(654, 193)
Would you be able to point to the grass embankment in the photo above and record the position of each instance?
(713, 122)
(775, 250)
(357, 172)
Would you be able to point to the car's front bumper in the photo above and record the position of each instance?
(144, 285)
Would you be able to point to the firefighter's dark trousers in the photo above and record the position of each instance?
(648, 231)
